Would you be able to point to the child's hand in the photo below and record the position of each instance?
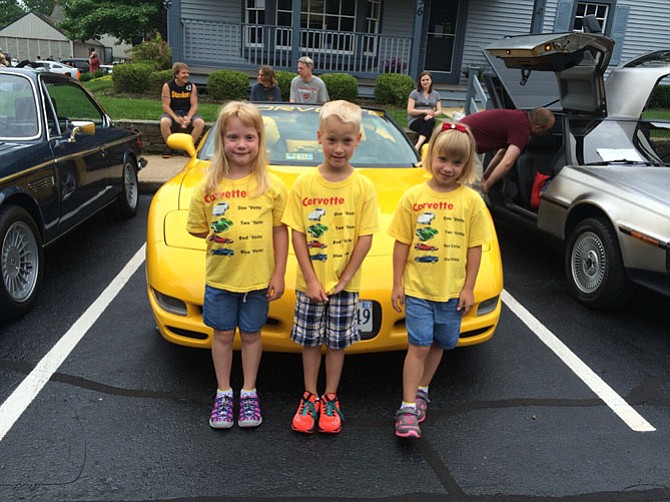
(315, 292)
(465, 301)
(398, 298)
(275, 288)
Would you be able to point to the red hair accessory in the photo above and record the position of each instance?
(459, 127)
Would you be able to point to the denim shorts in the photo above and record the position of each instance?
(224, 310)
(431, 322)
(332, 323)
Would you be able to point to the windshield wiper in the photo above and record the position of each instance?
(620, 161)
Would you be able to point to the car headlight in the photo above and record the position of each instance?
(487, 306)
(170, 303)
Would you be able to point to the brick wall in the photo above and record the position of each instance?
(152, 141)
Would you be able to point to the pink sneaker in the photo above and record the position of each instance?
(407, 424)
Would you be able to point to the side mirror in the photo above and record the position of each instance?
(81, 127)
(181, 141)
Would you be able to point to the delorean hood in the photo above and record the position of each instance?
(563, 70)
(630, 85)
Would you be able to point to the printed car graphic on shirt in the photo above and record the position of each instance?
(316, 244)
(221, 225)
(426, 259)
(316, 214)
(221, 240)
(317, 230)
(319, 256)
(426, 233)
(220, 209)
(424, 247)
(223, 251)
(425, 218)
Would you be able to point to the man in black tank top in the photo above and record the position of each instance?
(180, 105)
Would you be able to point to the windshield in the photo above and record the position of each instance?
(291, 139)
(620, 141)
(18, 111)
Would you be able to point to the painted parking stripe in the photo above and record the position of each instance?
(30, 387)
(615, 402)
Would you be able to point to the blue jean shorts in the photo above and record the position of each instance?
(431, 322)
(224, 310)
(332, 323)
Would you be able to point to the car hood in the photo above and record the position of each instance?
(650, 185)
(552, 68)
(630, 85)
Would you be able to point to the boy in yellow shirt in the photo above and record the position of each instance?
(336, 206)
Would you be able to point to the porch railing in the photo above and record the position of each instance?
(248, 46)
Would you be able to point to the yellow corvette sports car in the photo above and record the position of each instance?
(176, 260)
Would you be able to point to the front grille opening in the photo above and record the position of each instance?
(187, 333)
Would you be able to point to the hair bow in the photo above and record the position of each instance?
(459, 127)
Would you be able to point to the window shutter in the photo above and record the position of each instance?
(618, 32)
(564, 21)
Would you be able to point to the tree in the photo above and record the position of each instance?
(124, 19)
(12, 10)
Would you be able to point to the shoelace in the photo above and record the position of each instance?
(250, 408)
(331, 407)
(222, 408)
(307, 407)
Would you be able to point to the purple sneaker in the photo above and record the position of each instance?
(222, 412)
(422, 401)
(250, 412)
(406, 423)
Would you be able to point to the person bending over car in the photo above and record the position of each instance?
(507, 131)
(180, 105)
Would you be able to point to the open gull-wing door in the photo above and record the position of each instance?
(630, 85)
(578, 61)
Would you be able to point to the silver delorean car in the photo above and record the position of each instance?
(599, 182)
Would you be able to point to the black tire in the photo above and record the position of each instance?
(594, 267)
(128, 201)
(21, 262)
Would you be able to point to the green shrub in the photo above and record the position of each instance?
(341, 86)
(85, 77)
(131, 77)
(660, 98)
(156, 81)
(284, 79)
(393, 89)
(228, 84)
(153, 49)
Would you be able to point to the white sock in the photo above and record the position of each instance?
(248, 393)
(227, 393)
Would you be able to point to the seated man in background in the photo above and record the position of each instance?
(507, 131)
(180, 105)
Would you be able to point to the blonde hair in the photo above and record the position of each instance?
(344, 111)
(454, 141)
(219, 168)
(177, 67)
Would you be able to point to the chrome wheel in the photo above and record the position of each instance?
(588, 262)
(20, 261)
(130, 184)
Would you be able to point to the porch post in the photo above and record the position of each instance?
(417, 38)
(175, 34)
(295, 35)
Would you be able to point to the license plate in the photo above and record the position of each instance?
(365, 316)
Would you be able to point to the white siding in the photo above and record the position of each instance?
(31, 26)
(397, 18)
(490, 20)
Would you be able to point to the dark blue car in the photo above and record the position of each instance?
(61, 161)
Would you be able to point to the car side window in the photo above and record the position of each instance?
(72, 103)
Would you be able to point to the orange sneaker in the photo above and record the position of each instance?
(330, 420)
(305, 418)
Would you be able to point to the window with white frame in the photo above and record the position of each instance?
(327, 25)
(599, 10)
(254, 19)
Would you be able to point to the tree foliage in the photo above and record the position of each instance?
(124, 19)
(12, 10)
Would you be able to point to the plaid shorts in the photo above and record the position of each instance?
(333, 323)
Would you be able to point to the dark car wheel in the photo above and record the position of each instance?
(21, 262)
(594, 267)
(129, 196)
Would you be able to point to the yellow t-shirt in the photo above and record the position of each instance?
(240, 252)
(332, 215)
(439, 227)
